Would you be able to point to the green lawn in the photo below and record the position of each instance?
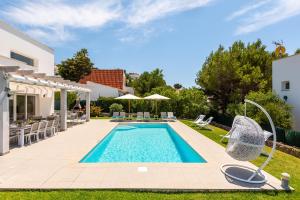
(281, 162)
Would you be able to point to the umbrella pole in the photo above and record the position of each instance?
(129, 107)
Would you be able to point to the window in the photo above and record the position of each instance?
(22, 107)
(285, 85)
(22, 58)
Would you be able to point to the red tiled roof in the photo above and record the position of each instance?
(110, 77)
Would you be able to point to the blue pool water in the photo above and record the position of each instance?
(143, 143)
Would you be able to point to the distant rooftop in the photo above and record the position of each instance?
(110, 77)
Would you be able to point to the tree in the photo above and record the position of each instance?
(129, 80)
(297, 51)
(177, 86)
(278, 109)
(76, 67)
(147, 81)
(229, 75)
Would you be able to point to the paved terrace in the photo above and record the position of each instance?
(54, 163)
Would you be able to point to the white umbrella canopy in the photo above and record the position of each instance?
(128, 97)
(156, 97)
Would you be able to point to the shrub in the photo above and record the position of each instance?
(115, 107)
(280, 135)
(293, 138)
(279, 111)
(95, 111)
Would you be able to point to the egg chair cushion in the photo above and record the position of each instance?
(246, 139)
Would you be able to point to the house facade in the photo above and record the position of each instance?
(18, 49)
(286, 83)
(27, 84)
(106, 83)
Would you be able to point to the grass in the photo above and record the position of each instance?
(281, 162)
(100, 117)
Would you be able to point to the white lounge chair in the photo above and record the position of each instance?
(163, 115)
(205, 123)
(122, 115)
(199, 119)
(146, 115)
(171, 116)
(115, 115)
(139, 116)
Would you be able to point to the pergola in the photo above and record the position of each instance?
(28, 79)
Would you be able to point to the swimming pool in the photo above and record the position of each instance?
(144, 142)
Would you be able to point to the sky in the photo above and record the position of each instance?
(141, 35)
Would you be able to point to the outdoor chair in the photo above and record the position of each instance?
(13, 136)
(205, 123)
(33, 133)
(122, 116)
(199, 119)
(115, 115)
(42, 129)
(246, 143)
(56, 125)
(146, 116)
(139, 116)
(171, 116)
(163, 115)
(50, 128)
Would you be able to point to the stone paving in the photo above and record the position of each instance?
(54, 164)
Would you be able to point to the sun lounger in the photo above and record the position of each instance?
(163, 115)
(122, 115)
(139, 116)
(171, 116)
(115, 115)
(199, 119)
(146, 116)
(205, 123)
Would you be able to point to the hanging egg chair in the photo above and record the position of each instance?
(246, 143)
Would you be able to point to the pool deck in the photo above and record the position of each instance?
(54, 164)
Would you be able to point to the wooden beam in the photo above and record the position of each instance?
(38, 75)
(7, 69)
(24, 72)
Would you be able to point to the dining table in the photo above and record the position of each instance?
(20, 130)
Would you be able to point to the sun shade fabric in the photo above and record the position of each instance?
(128, 96)
(246, 140)
(157, 97)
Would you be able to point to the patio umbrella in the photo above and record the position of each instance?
(128, 97)
(156, 97)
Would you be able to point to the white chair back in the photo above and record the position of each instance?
(146, 115)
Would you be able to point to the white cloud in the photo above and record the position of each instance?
(248, 8)
(55, 20)
(52, 18)
(271, 13)
(144, 11)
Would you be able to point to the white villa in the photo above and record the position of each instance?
(286, 83)
(27, 82)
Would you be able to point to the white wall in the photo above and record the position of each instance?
(13, 40)
(101, 90)
(288, 69)
(46, 105)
